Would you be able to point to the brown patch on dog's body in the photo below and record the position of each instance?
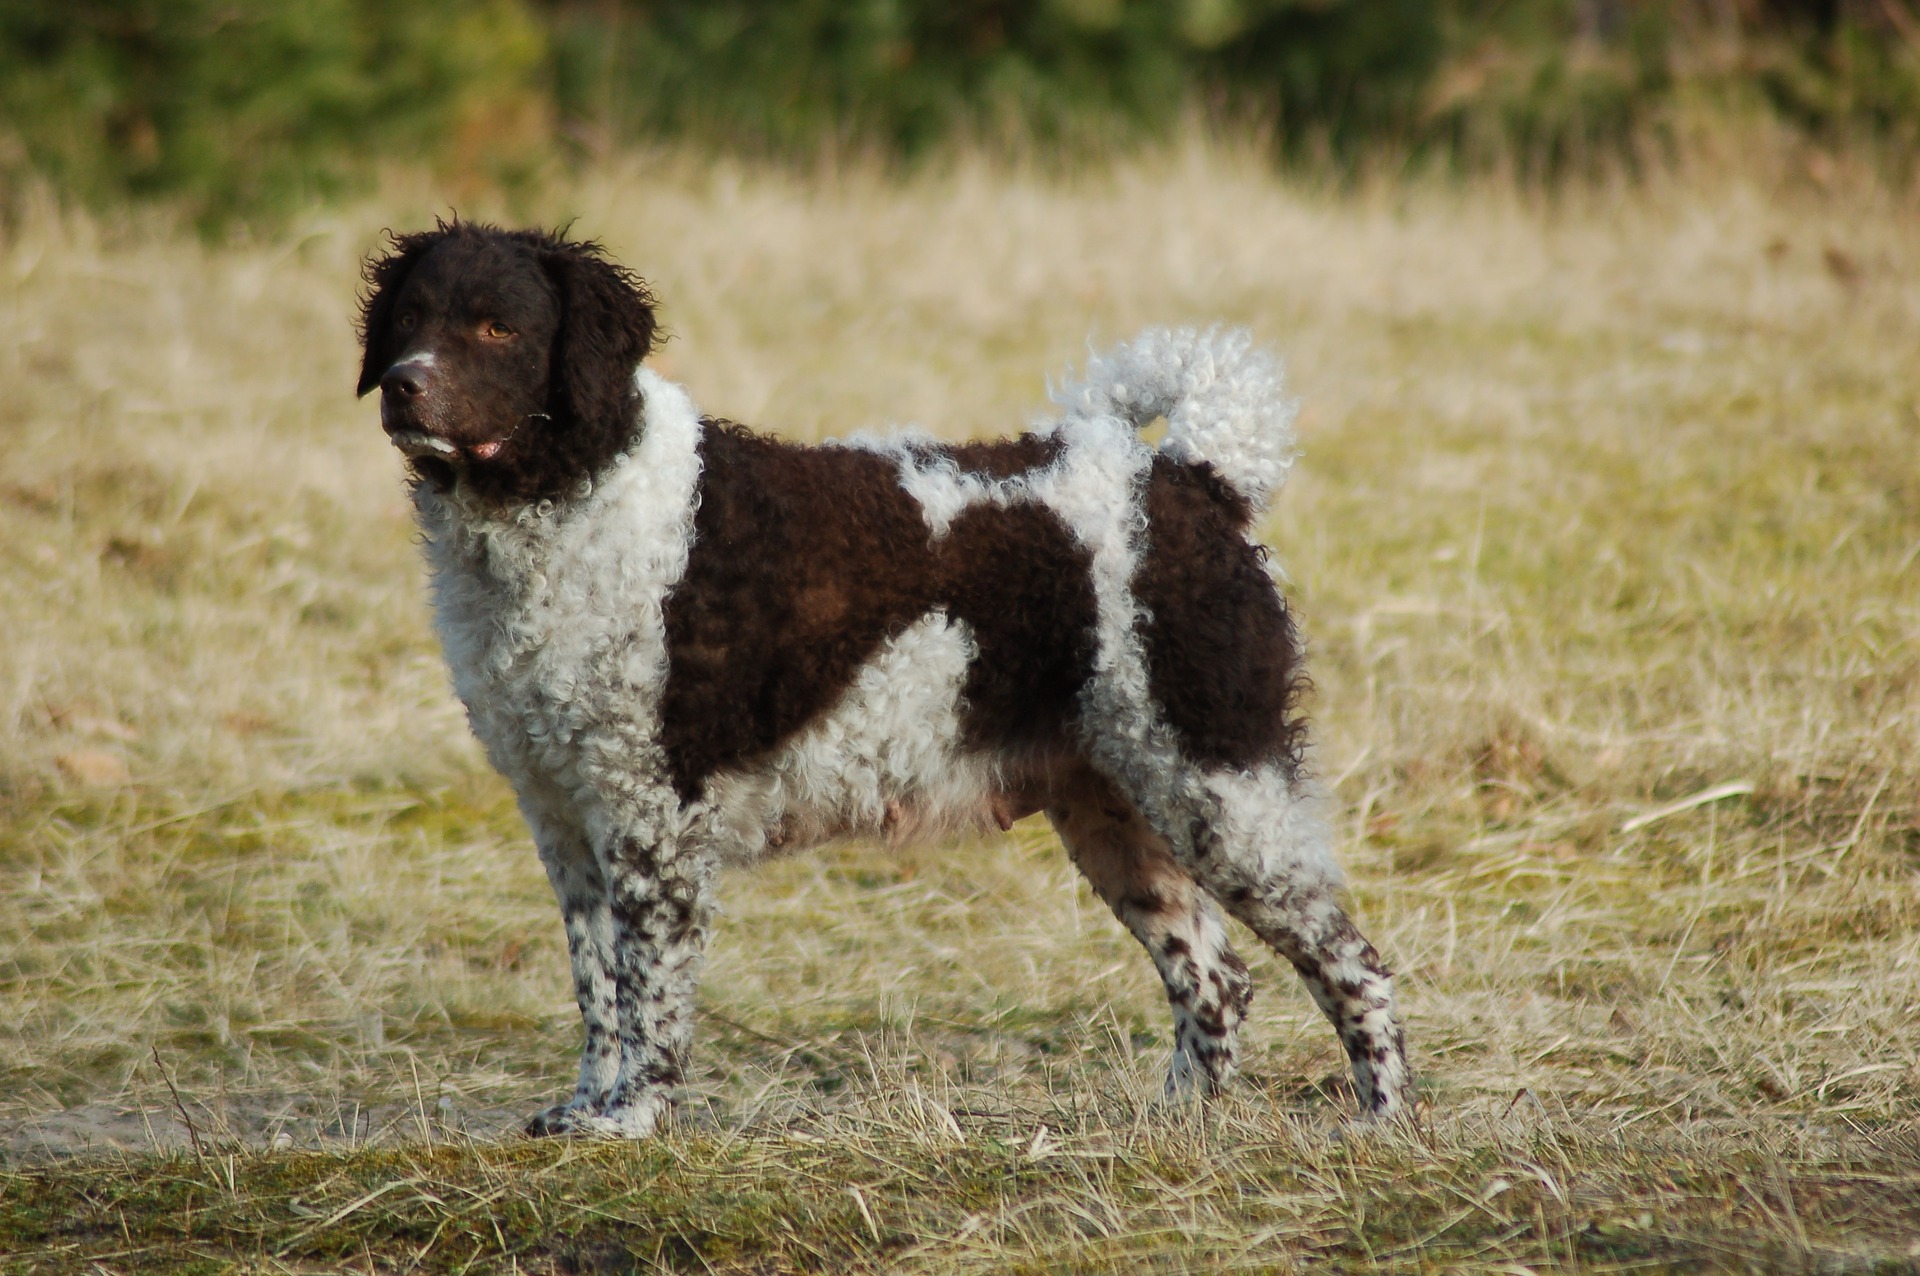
(783, 536)
(1004, 458)
(1223, 657)
(1023, 585)
(805, 560)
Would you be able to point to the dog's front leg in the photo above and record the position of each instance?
(587, 914)
(660, 904)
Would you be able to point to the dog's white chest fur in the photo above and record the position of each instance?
(553, 619)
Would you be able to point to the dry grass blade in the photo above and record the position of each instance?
(1718, 793)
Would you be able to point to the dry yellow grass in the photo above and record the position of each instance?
(1607, 502)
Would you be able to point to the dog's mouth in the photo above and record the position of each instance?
(418, 443)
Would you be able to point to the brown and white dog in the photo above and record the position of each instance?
(689, 645)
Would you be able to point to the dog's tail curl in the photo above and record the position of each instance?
(1222, 397)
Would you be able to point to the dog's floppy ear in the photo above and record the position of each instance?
(384, 277)
(606, 329)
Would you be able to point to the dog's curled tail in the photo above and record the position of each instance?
(1222, 397)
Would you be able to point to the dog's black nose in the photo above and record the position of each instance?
(404, 381)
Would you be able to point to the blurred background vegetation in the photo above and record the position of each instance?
(238, 109)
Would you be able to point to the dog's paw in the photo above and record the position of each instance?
(563, 1120)
(557, 1121)
(1194, 1076)
(638, 1119)
(1390, 1114)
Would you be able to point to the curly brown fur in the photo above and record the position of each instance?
(1223, 655)
(804, 560)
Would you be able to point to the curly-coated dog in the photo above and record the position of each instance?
(689, 645)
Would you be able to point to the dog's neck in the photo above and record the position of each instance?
(643, 497)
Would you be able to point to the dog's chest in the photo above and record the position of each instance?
(552, 617)
(555, 650)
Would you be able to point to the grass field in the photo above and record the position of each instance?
(1608, 502)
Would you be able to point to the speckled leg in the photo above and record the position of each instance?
(1130, 867)
(660, 906)
(1253, 840)
(585, 912)
(1346, 979)
(1264, 856)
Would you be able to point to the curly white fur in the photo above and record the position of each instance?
(1223, 397)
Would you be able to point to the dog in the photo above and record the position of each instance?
(688, 645)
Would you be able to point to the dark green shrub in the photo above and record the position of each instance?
(1345, 73)
(903, 74)
(250, 105)
(1553, 87)
(906, 74)
(1852, 77)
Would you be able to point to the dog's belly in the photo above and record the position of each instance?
(890, 759)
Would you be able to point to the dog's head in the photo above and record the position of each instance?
(504, 358)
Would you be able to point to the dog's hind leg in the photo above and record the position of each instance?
(586, 913)
(1131, 868)
(1253, 838)
(1256, 842)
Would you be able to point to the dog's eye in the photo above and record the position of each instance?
(405, 321)
(497, 330)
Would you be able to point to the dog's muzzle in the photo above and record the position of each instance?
(402, 390)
